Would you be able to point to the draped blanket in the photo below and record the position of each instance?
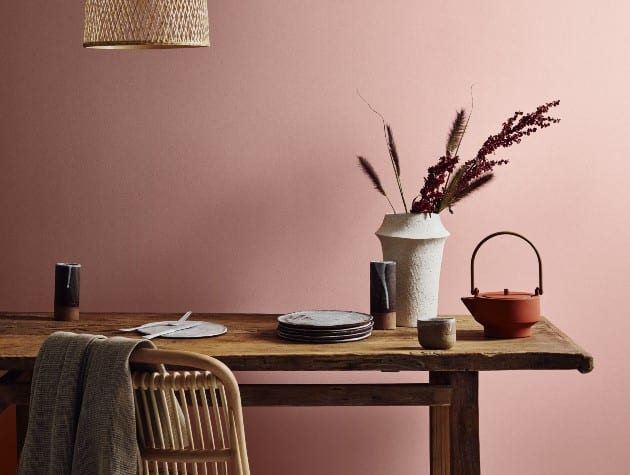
(82, 417)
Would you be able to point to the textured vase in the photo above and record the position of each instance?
(415, 242)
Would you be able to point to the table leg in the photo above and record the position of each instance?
(455, 429)
(440, 440)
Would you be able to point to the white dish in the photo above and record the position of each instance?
(324, 319)
(325, 331)
(204, 330)
(300, 339)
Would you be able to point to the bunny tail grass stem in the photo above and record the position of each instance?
(391, 148)
(390, 204)
(461, 135)
(474, 186)
(455, 134)
(472, 107)
(393, 155)
(368, 169)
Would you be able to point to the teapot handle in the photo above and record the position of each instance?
(475, 291)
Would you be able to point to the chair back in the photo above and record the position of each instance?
(188, 414)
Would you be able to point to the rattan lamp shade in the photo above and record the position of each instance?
(135, 24)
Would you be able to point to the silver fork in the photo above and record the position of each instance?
(181, 320)
(168, 331)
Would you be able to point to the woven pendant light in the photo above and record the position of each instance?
(136, 24)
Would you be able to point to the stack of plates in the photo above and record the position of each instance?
(325, 326)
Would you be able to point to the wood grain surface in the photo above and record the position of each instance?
(251, 344)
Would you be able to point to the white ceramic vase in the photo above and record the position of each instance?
(415, 241)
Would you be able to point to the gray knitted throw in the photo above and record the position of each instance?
(82, 418)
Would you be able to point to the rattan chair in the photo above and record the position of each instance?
(189, 416)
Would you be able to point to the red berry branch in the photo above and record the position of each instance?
(439, 193)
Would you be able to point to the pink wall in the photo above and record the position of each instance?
(224, 179)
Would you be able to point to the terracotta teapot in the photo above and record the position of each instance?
(505, 314)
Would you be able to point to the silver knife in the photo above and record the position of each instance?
(172, 330)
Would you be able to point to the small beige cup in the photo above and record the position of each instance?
(437, 333)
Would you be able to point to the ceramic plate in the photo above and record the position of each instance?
(324, 319)
(323, 337)
(303, 339)
(206, 329)
(325, 331)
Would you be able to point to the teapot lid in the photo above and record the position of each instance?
(507, 295)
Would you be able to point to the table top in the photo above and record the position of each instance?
(251, 344)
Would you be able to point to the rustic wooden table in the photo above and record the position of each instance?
(251, 345)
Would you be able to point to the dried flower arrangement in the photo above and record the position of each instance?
(445, 185)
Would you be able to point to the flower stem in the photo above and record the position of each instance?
(472, 107)
(396, 174)
(390, 204)
(402, 195)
